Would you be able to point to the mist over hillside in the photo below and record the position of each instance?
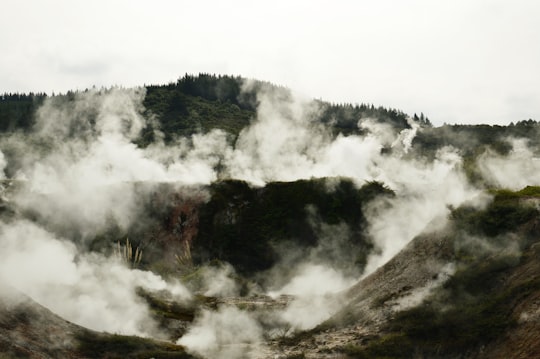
(221, 217)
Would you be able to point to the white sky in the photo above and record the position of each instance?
(458, 61)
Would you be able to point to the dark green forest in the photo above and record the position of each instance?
(204, 102)
(200, 103)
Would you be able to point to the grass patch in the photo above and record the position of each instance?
(97, 345)
(506, 194)
(167, 308)
(504, 214)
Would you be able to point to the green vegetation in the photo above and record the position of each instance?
(344, 118)
(529, 191)
(182, 111)
(474, 139)
(201, 103)
(204, 102)
(17, 110)
(469, 311)
(246, 227)
(126, 254)
(475, 306)
(242, 225)
(163, 308)
(505, 213)
(112, 346)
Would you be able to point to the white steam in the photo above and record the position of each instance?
(226, 333)
(287, 144)
(3, 164)
(424, 194)
(418, 295)
(315, 288)
(78, 170)
(89, 290)
(220, 282)
(520, 168)
(80, 166)
(283, 143)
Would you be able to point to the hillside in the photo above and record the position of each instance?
(221, 217)
(200, 103)
(28, 330)
(444, 296)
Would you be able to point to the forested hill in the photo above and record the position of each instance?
(377, 242)
(203, 102)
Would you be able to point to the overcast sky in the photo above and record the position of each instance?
(458, 61)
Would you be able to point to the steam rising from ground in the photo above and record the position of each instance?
(425, 192)
(88, 289)
(315, 288)
(79, 167)
(226, 333)
(519, 169)
(220, 282)
(418, 295)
